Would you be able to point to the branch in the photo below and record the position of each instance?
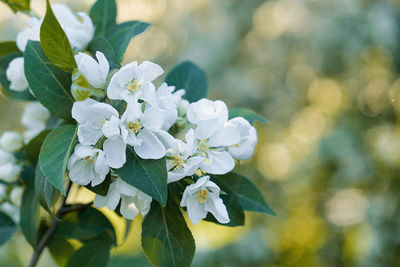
(47, 235)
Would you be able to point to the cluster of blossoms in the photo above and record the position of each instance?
(149, 122)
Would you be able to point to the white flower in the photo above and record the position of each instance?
(78, 28)
(248, 139)
(133, 200)
(203, 197)
(180, 162)
(212, 137)
(88, 164)
(94, 71)
(137, 129)
(10, 172)
(6, 157)
(183, 106)
(92, 117)
(167, 101)
(205, 109)
(32, 33)
(16, 75)
(133, 82)
(34, 118)
(11, 210)
(16, 195)
(11, 141)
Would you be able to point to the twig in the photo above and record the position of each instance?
(47, 235)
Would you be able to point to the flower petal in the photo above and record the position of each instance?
(115, 150)
(151, 147)
(218, 163)
(148, 71)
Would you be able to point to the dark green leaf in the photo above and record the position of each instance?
(101, 189)
(30, 216)
(50, 85)
(249, 196)
(85, 224)
(148, 175)
(248, 114)
(32, 149)
(101, 44)
(103, 14)
(190, 77)
(7, 227)
(60, 249)
(4, 62)
(55, 42)
(18, 5)
(7, 48)
(95, 253)
(45, 191)
(55, 153)
(166, 239)
(120, 35)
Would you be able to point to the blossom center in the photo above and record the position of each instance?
(202, 195)
(133, 86)
(134, 127)
(88, 160)
(177, 161)
(203, 147)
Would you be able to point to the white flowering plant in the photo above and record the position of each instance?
(96, 124)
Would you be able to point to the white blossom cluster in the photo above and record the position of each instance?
(78, 28)
(211, 142)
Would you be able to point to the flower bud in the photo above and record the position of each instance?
(6, 157)
(11, 141)
(16, 195)
(182, 107)
(16, 75)
(10, 172)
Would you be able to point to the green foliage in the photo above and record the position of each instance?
(101, 44)
(55, 152)
(103, 14)
(4, 62)
(120, 35)
(18, 5)
(50, 85)
(30, 215)
(148, 175)
(32, 149)
(249, 196)
(55, 42)
(93, 254)
(60, 249)
(166, 239)
(190, 77)
(7, 228)
(85, 224)
(248, 114)
(44, 190)
(8, 47)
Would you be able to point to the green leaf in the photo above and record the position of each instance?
(30, 216)
(32, 149)
(95, 253)
(120, 35)
(166, 239)
(101, 189)
(8, 48)
(85, 224)
(103, 14)
(44, 190)
(101, 44)
(55, 152)
(248, 114)
(249, 196)
(190, 77)
(148, 175)
(55, 42)
(235, 210)
(18, 5)
(7, 228)
(60, 249)
(50, 85)
(4, 62)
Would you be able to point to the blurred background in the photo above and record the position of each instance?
(326, 75)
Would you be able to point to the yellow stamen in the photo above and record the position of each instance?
(133, 86)
(202, 195)
(88, 159)
(177, 162)
(134, 127)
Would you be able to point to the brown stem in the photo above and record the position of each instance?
(47, 235)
